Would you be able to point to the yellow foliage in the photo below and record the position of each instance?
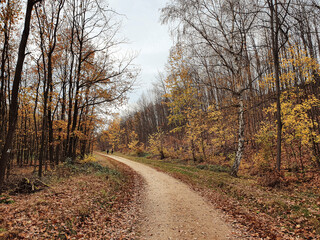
(113, 134)
(297, 125)
(156, 142)
(133, 138)
(181, 92)
(220, 128)
(266, 137)
(88, 159)
(296, 65)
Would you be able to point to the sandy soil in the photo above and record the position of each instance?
(173, 211)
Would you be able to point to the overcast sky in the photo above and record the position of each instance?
(142, 28)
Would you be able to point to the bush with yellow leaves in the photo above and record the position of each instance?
(88, 158)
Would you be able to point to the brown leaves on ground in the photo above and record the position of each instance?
(85, 206)
(267, 219)
(268, 213)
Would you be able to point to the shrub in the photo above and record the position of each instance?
(88, 159)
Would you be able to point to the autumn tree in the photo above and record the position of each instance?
(299, 130)
(183, 98)
(227, 36)
(276, 26)
(13, 110)
(48, 17)
(156, 143)
(93, 32)
(73, 71)
(9, 14)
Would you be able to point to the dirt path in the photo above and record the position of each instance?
(173, 211)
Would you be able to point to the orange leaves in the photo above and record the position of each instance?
(60, 129)
(83, 206)
(103, 93)
(9, 12)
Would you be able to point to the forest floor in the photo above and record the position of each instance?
(125, 199)
(77, 201)
(290, 211)
(171, 210)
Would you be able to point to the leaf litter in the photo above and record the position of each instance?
(83, 206)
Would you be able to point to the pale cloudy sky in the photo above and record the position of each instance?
(141, 26)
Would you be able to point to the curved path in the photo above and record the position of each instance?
(173, 211)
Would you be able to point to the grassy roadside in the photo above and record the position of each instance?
(291, 212)
(93, 200)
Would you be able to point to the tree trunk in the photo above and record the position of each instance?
(45, 101)
(275, 50)
(2, 77)
(237, 161)
(203, 149)
(193, 151)
(15, 91)
(74, 138)
(50, 117)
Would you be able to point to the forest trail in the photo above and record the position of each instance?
(173, 211)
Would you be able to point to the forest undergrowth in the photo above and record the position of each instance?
(94, 199)
(290, 210)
